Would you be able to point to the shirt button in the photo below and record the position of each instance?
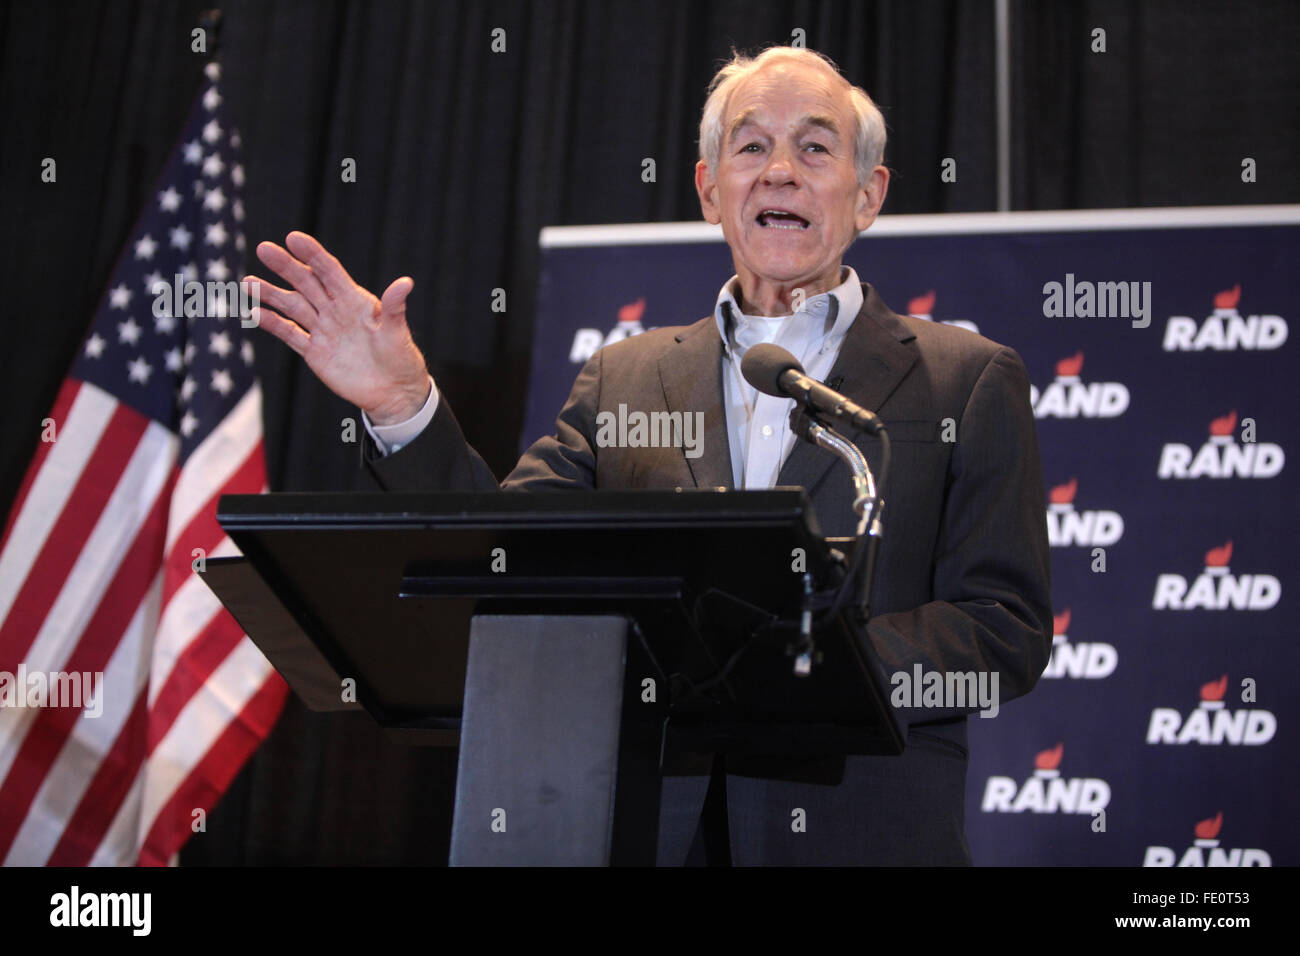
(767, 431)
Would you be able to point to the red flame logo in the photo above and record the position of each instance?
(1209, 829)
(1215, 689)
(1070, 366)
(1049, 759)
(1220, 556)
(1224, 424)
(1063, 494)
(1060, 622)
(1228, 298)
(922, 304)
(633, 311)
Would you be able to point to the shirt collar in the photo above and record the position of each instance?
(838, 307)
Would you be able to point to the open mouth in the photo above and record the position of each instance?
(780, 219)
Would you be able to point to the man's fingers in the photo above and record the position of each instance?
(283, 264)
(326, 268)
(290, 333)
(392, 304)
(292, 304)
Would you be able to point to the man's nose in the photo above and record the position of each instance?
(780, 168)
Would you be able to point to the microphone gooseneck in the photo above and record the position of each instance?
(774, 371)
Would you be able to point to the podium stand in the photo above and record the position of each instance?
(563, 641)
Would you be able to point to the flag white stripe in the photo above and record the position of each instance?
(118, 847)
(92, 573)
(75, 442)
(212, 464)
(188, 612)
(100, 559)
(205, 718)
(90, 740)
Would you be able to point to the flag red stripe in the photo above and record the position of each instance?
(102, 800)
(93, 829)
(203, 530)
(52, 725)
(62, 403)
(201, 657)
(108, 788)
(204, 785)
(48, 573)
(206, 650)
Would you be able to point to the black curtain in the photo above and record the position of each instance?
(1183, 93)
(462, 155)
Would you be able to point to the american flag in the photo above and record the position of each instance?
(159, 417)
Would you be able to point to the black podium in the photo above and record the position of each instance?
(565, 642)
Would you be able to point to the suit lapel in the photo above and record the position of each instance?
(873, 359)
(691, 375)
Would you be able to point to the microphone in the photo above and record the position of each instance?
(774, 371)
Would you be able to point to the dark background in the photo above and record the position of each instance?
(464, 154)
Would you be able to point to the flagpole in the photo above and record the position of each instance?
(210, 24)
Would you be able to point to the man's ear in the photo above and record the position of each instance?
(707, 186)
(871, 197)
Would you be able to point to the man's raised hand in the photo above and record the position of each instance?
(357, 344)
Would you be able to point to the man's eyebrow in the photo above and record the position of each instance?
(742, 120)
(820, 120)
(825, 122)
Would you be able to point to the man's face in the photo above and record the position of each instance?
(786, 189)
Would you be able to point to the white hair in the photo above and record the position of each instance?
(868, 123)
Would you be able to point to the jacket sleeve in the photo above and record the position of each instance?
(440, 459)
(991, 611)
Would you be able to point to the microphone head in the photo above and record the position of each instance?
(763, 366)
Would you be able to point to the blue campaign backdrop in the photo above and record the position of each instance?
(1163, 731)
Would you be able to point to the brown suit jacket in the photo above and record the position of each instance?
(962, 575)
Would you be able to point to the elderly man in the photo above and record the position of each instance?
(789, 165)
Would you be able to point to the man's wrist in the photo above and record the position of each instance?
(391, 438)
(404, 407)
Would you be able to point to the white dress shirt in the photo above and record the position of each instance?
(758, 425)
